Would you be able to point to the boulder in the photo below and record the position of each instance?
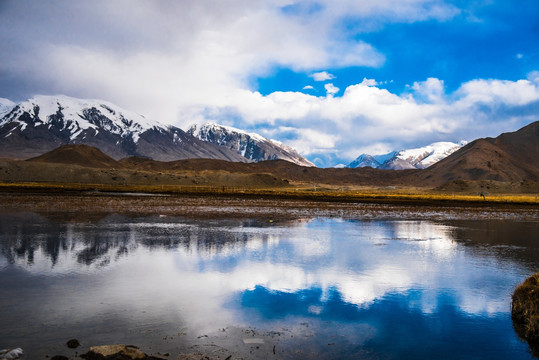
(115, 352)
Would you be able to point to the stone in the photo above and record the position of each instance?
(73, 343)
(123, 352)
(8, 354)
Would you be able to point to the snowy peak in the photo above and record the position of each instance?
(73, 116)
(5, 106)
(426, 156)
(374, 161)
(221, 134)
(252, 146)
(418, 158)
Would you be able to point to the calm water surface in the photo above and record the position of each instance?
(311, 288)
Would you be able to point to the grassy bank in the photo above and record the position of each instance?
(368, 194)
(525, 311)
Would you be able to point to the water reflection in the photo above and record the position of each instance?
(366, 283)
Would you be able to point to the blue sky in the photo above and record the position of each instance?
(333, 79)
(500, 42)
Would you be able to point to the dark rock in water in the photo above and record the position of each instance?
(525, 312)
(73, 343)
(59, 357)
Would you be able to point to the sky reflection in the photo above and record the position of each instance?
(389, 278)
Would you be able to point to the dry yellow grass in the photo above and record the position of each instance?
(525, 311)
(301, 192)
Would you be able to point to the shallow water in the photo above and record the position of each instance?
(304, 288)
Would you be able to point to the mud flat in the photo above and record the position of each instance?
(95, 204)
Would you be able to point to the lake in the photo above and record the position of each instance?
(324, 285)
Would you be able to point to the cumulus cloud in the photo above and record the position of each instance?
(369, 118)
(322, 76)
(164, 58)
(308, 87)
(430, 90)
(331, 89)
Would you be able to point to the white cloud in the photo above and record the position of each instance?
(367, 117)
(311, 141)
(322, 76)
(430, 90)
(166, 59)
(308, 87)
(331, 89)
(512, 93)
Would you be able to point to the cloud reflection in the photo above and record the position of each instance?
(198, 269)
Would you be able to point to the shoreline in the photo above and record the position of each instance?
(388, 195)
(82, 206)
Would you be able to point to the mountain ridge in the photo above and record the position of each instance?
(253, 146)
(510, 157)
(484, 165)
(416, 158)
(43, 123)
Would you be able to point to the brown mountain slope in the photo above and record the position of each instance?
(280, 168)
(522, 145)
(83, 155)
(511, 157)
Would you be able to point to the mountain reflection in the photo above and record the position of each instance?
(370, 281)
(98, 244)
(361, 260)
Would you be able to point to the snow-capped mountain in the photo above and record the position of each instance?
(419, 158)
(5, 106)
(374, 161)
(250, 145)
(43, 123)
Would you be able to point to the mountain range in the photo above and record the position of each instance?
(39, 125)
(43, 123)
(507, 164)
(418, 158)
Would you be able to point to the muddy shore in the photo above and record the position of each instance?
(84, 205)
